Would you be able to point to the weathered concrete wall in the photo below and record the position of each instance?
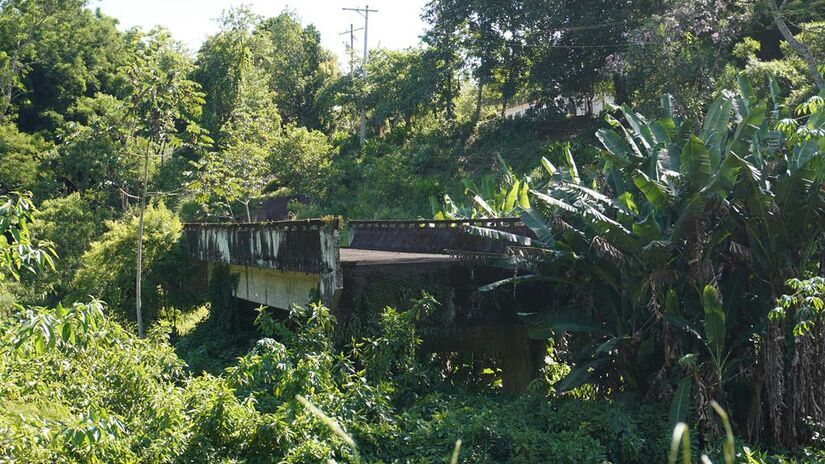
(302, 252)
(271, 287)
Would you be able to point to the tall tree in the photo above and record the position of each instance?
(443, 52)
(222, 63)
(400, 86)
(239, 170)
(299, 69)
(51, 53)
(164, 105)
(569, 54)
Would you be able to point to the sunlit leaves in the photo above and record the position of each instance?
(810, 106)
(62, 327)
(806, 303)
(18, 251)
(714, 323)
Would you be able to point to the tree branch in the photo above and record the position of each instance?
(798, 46)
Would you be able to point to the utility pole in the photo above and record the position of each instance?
(351, 33)
(365, 12)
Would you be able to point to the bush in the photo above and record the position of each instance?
(71, 223)
(107, 269)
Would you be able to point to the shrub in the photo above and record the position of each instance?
(107, 268)
(71, 223)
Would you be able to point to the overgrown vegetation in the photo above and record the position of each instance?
(680, 233)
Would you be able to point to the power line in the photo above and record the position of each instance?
(365, 12)
(351, 33)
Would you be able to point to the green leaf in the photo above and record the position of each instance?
(524, 197)
(495, 234)
(776, 93)
(535, 222)
(694, 209)
(571, 164)
(745, 87)
(667, 104)
(680, 435)
(615, 145)
(648, 229)
(740, 143)
(654, 192)
(695, 162)
(715, 129)
(485, 206)
(576, 378)
(548, 166)
(681, 402)
(509, 281)
(714, 322)
(558, 322)
(639, 126)
(512, 196)
(555, 202)
(39, 344)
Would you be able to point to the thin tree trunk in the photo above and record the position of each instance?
(248, 216)
(477, 115)
(139, 261)
(503, 105)
(798, 46)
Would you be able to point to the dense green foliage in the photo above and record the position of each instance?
(658, 261)
(107, 270)
(683, 249)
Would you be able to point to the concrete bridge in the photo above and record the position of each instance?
(282, 263)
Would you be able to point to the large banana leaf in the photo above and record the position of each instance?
(571, 165)
(714, 322)
(512, 196)
(681, 402)
(558, 322)
(640, 127)
(695, 163)
(536, 223)
(715, 129)
(691, 212)
(495, 234)
(616, 150)
(655, 193)
(511, 281)
(553, 202)
(548, 166)
(648, 229)
(741, 140)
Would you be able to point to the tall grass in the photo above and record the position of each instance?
(682, 434)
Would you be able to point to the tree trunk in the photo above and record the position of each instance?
(503, 105)
(139, 260)
(477, 115)
(248, 216)
(798, 46)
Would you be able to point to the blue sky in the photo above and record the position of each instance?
(397, 25)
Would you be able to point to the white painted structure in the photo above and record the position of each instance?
(272, 287)
(601, 103)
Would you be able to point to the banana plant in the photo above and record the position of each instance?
(489, 201)
(682, 243)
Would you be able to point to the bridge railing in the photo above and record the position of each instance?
(432, 236)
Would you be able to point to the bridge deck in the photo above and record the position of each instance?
(362, 257)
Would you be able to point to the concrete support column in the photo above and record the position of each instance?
(521, 360)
